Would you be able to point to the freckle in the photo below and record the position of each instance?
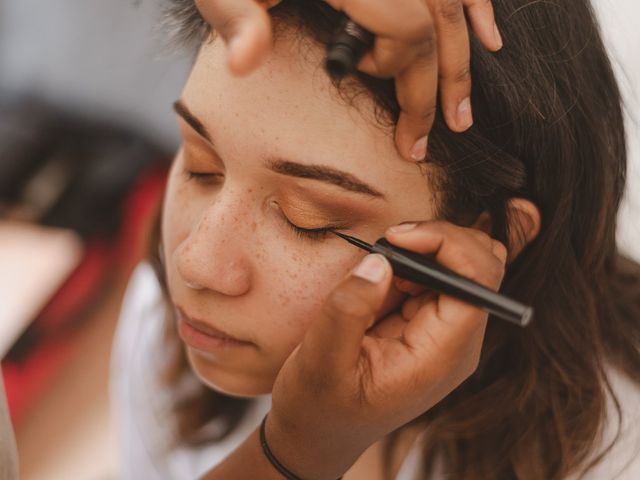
(254, 225)
(284, 299)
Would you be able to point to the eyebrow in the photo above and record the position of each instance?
(321, 173)
(182, 110)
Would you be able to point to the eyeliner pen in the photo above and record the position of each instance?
(426, 271)
(347, 48)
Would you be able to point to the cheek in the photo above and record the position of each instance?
(300, 286)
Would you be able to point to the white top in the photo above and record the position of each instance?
(144, 424)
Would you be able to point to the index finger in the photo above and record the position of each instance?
(410, 23)
(245, 27)
(416, 90)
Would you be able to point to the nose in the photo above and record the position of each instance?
(214, 256)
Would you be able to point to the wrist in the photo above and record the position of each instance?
(308, 455)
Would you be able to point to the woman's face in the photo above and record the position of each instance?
(262, 156)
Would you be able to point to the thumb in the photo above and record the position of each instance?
(245, 27)
(334, 339)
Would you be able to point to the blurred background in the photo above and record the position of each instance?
(85, 106)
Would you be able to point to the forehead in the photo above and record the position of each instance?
(289, 98)
(288, 108)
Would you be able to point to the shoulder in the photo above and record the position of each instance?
(620, 438)
(143, 294)
(141, 319)
(140, 324)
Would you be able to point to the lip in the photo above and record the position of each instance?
(202, 336)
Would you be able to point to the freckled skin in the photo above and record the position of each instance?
(260, 281)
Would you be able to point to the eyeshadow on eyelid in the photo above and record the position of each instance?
(307, 214)
(335, 205)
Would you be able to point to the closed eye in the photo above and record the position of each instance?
(312, 233)
(205, 178)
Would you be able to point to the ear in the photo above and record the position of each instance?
(524, 224)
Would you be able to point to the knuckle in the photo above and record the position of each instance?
(421, 29)
(461, 75)
(428, 45)
(471, 367)
(451, 11)
(499, 250)
(466, 266)
(468, 269)
(482, 236)
(494, 275)
(428, 114)
(446, 228)
(417, 109)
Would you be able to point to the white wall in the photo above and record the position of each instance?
(103, 56)
(619, 20)
(106, 56)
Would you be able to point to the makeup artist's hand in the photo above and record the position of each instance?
(422, 44)
(349, 384)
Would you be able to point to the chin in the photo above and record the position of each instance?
(232, 384)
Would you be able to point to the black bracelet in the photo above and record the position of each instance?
(286, 473)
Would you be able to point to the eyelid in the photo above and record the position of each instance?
(200, 159)
(307, 233)
(310, 233)
(315, 229)
(203, 179)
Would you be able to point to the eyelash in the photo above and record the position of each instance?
(199, 175)
(311, 233)
(203, 178)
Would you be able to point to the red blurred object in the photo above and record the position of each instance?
(49, 341)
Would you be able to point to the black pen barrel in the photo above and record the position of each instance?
(348, 47)
(424, 271)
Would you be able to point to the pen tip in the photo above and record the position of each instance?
(354, 241)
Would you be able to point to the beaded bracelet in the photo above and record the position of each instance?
(272, 458)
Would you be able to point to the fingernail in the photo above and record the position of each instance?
(372, 268)
(419, 150)
(403, 227)
(497, 36)
(463, 115)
